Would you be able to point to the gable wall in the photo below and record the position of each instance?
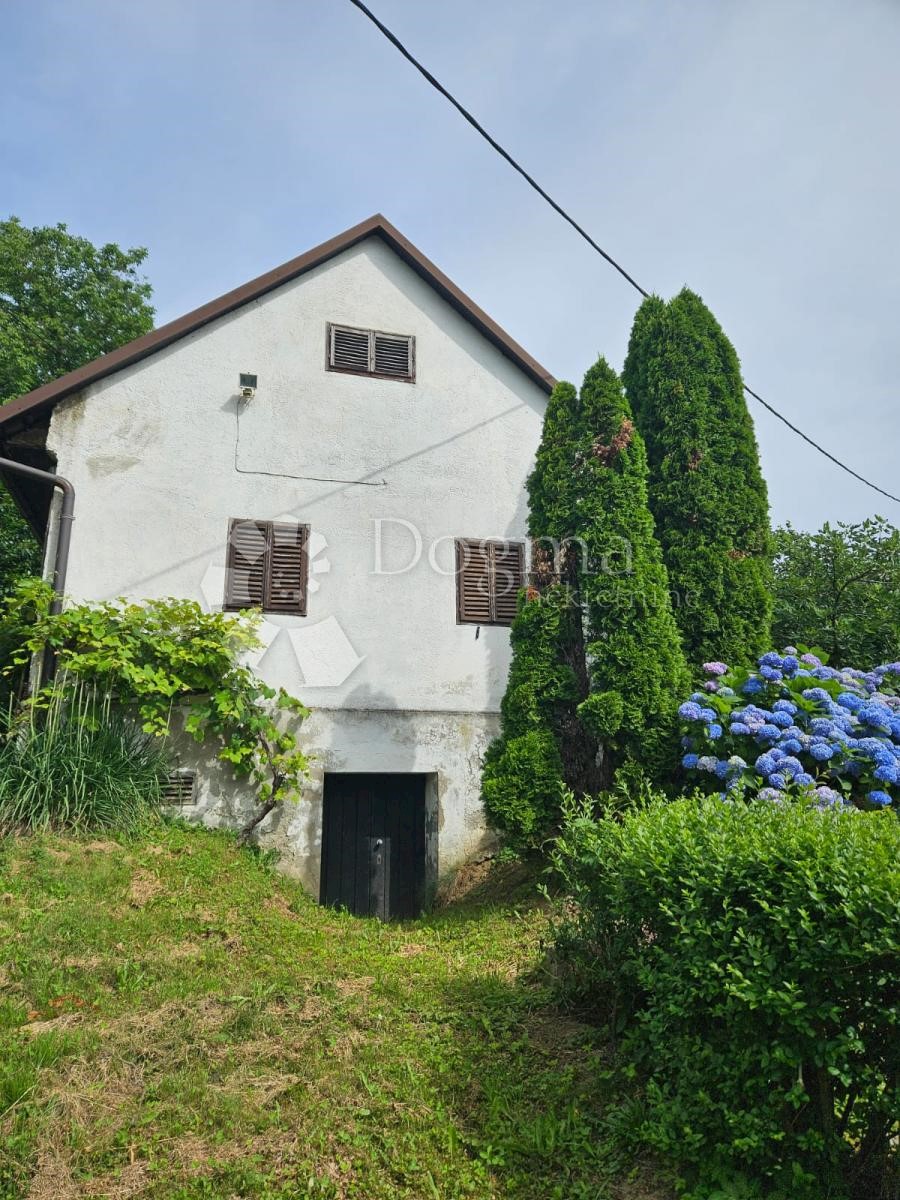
(151, 452)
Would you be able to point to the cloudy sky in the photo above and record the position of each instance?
(748, 149)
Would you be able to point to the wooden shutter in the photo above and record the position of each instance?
(288, 569)
(246, 564)
(267, 566)
(349, 350)
(393, 355)
(509, 579)
(489, 576)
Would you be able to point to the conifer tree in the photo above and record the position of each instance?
(635, 662)
(707, 494)
(597, 668)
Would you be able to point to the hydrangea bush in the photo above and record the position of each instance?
(796, 725)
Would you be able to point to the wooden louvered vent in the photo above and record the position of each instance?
(368, 352)
(489, 576)
(267, 566)
(180, 789)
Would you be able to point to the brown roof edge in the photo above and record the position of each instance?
(28, 406)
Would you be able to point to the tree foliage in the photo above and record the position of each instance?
(707, 493)
(63, 302)
(839, 589)
(597, 663)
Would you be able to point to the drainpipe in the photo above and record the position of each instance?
(66, 517)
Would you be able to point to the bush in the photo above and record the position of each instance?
(750, 954)
(77, 765)
(166, 656)
(797, 725)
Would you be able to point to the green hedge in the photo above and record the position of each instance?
(750, 955)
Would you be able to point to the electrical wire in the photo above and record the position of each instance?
(532, 182)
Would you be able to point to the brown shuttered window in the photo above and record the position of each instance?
(489, 577)
(368, 352)
(267, 566)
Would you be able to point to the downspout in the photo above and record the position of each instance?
(66, 517)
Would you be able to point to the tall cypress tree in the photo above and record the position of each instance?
(597, 662)
(637, 669)
(707, 493)
(542, 744)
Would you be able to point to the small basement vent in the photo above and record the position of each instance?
(179, 790)
(368, 352)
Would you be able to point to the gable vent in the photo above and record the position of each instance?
(349, 349)
(179, 789)
(368, 352)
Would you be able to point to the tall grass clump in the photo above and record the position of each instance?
(77, 763)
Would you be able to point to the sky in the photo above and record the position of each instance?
(749, 149)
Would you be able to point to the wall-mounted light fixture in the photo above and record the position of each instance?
(248, 385)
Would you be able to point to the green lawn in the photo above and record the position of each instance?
(177, 1021)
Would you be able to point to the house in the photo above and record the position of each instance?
(343, 442)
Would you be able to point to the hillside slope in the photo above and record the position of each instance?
(177, 1021)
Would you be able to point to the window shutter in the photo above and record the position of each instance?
(393, 355)
(349, 349)
(266, 566)
(489, 576)
(246, 564)
(509, 579)
(288, 569)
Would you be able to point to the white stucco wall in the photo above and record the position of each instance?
(152, 454)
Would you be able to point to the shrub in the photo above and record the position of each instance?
(750, 955)
(77, 765)
(796, 724)
(164, 657)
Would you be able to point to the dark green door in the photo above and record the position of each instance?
(373, 844)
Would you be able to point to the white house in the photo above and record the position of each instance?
(330, 441)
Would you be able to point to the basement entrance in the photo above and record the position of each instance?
(374, 844)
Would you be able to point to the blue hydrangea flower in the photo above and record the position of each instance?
(771, 794)
(784, 706)
(816, 693)
(790, 664)
(738, 727)
(771, 659)
(782, 719)
(803, 779)
(850, 701)
(790, 766)
(765, 764)
(768, 733)
(722, 768)
(880, 798)
(753, 686)
(689, 711)
(714, 731)
(772, 674)
(707, 762)
(791, 745)
(821, 751)
(708, 714)
(689, 762)
(777, 780)
(887, 773)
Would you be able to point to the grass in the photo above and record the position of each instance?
(177, 1021)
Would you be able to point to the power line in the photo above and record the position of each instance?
(532, 182)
